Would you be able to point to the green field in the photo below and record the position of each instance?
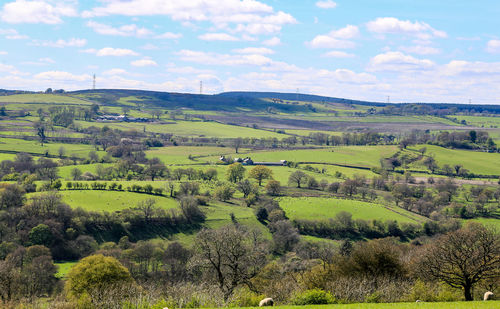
(476, 162)
(366, 156)
(316, 208)
(63, 268)
(480, 121)
(95, 200)
(42, 98)
(189, 129)
(20, 145)
(180, 154)
(420, 305)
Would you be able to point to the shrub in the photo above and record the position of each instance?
(314, 297)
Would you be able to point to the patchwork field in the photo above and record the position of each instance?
(19, 145)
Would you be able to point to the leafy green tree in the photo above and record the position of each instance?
(224, 193)
(235, 172)
(297, 178)
(260, 173)
(41, 235)
(96, 272)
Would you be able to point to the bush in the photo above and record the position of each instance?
(314, 297)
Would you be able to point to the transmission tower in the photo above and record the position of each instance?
(201, 87)
(93, 83)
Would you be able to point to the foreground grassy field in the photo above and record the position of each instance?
(314, 208)
(421, 305)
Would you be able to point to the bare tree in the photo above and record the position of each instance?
(230, 255)
(463, 258)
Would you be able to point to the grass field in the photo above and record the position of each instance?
(94, 200)
(314, 208)
(189, 129)
(476, 162)
(480, 121)
(366, 156)
(420, 305)
(20, 145)
(65, 171)
(63, 268)
(180, 154)
(42, 98)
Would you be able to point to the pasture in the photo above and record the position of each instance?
(316, 208)
(43, 98)
(188, 129)
(365, 156)
(110, 201)
(19, 145)
(476, 162)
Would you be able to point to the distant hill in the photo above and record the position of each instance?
(296, 97)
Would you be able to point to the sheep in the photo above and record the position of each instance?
(266, 302)
(488, 296)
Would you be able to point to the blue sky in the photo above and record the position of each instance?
(408, 50)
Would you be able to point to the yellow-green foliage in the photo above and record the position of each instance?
(96, 272)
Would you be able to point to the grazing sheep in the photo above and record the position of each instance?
(488, 296)
(266, 302)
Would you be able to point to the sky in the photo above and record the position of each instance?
(377, 50)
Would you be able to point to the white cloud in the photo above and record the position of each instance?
(493, 46)
(114, 72)
(336, 38)
(398, 62)
(223, 59)
(254, 50)
(23, 11)
(110, 51)
(392, 25)
(172, 68)
(12, 34)
(73, 42)
(248, 16)
(40, 62)
(3, 53)
(6, 67)
(274, 41)
(125, 30)
(149, 46)
(62, 76)
(169, 36)
(420, 50)
(338, 54)
(328, 4)
(217, 37)
(145, 62)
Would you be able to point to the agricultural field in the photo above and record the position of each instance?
(19, 145)
(188, 129)
(477, 162)
(364, 156)
(43, 98)
(314, 208)
(110, 201)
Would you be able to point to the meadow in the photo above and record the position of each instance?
(364, 156)
(42, 98)
(476, 162)
(188, 129)
(317, 208)
(95, 200)
(34, 147)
